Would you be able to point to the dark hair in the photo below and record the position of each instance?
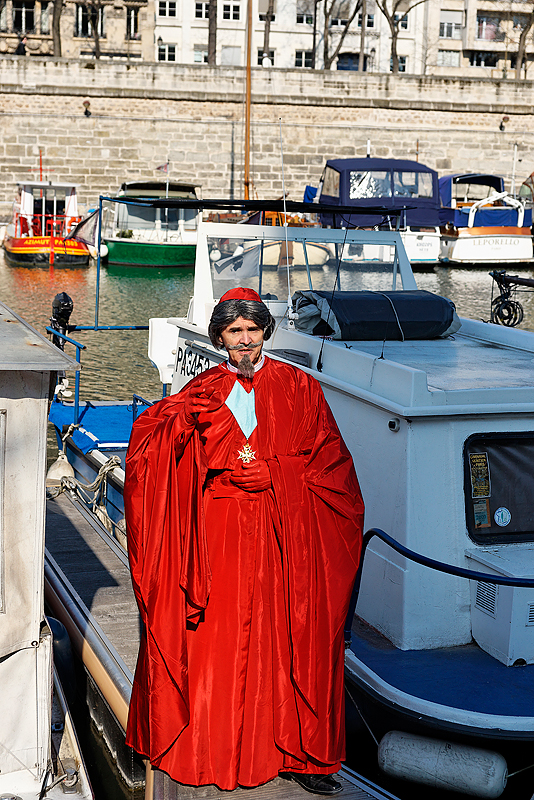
(229, 310)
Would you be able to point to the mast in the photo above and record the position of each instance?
(248, 102)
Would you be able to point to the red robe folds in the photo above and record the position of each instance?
(243, 595)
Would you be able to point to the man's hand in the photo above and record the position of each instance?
(197, 400)
(253, 477)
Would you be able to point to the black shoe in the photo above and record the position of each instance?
(317, 784)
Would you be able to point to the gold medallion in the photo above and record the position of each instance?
(247, 454)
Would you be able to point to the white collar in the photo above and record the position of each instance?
(230, 367)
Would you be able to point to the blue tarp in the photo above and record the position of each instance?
(101, 426)
(419, 211)
(502, 216)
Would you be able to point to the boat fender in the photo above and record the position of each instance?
(59, 469)
(444, 765)
(63, 659)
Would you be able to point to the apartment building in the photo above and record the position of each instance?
(474, 38)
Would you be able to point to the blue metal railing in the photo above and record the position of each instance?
(79, 348)
(439, 566)
(137, 401)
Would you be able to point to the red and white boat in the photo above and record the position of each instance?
(43, 214)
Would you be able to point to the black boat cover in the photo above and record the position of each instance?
(372, 316)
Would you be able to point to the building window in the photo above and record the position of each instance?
(488, 28)
(448, 58)
(304, 58)
(231, 11)
(337, 22)
(166, 52)
(263, 17)
(351, 61)
(202, 10)
(450, 24)
(304, 19)
(402, 21)
(46, 16)
(23, 16)
(260, 57)
(483, 59)
(370, 21)
(166, 8)
(132, 23)
(402, 64)
(200, 54)
(83, 26)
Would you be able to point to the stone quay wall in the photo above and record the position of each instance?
(143, 114)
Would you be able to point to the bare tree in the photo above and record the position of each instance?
(394, 14)
(56, 27)
(337, 9)
(267, 31)
(522, 44)
(212, 32)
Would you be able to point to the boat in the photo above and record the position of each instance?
(44, 213)
(483, 224)
(143, 235)
(437, 413)
(392, 183)
(39, 754)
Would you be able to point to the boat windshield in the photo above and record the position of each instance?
(316, 265)
(369, 183)
(412, 184)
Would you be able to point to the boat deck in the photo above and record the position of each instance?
(98, 580)
(458, 362)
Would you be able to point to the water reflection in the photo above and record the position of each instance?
(115, 364)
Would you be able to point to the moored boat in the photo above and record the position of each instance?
(483, 224)
(406, 186)
(44, 212)
(142, 235)
(39, 753)
(438, 419)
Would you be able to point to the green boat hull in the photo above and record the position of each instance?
(149, 254)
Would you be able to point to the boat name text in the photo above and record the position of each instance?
(190, 363)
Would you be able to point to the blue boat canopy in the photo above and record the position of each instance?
(448, 183)
(393, 183)
(455, 190)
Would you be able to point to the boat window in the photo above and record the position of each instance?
(372, 183)
(135, 217)
(499, 486)
(470, 192)
(330, 182)
(321, 266)
(412, 184)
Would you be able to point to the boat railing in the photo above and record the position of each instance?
(425, 561)
(138, 401)
(79, 347)
(44, 224)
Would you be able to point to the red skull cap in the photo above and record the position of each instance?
(241, 293)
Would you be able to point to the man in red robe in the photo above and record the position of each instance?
(244, 521)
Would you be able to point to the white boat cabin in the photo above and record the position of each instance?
(27, 363)
(44, 208)
(439, 421)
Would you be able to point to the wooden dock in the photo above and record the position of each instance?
(88, 588)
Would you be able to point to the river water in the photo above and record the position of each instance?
(115, 364)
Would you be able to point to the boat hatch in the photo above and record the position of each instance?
(499, 486)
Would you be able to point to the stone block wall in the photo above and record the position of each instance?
(193, 115)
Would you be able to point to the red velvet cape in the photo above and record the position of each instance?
(243, 595)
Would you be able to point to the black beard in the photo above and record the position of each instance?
(246, 367)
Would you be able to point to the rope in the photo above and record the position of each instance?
(74, 485)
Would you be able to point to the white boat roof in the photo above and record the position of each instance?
(23, 348)
(47, 185)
